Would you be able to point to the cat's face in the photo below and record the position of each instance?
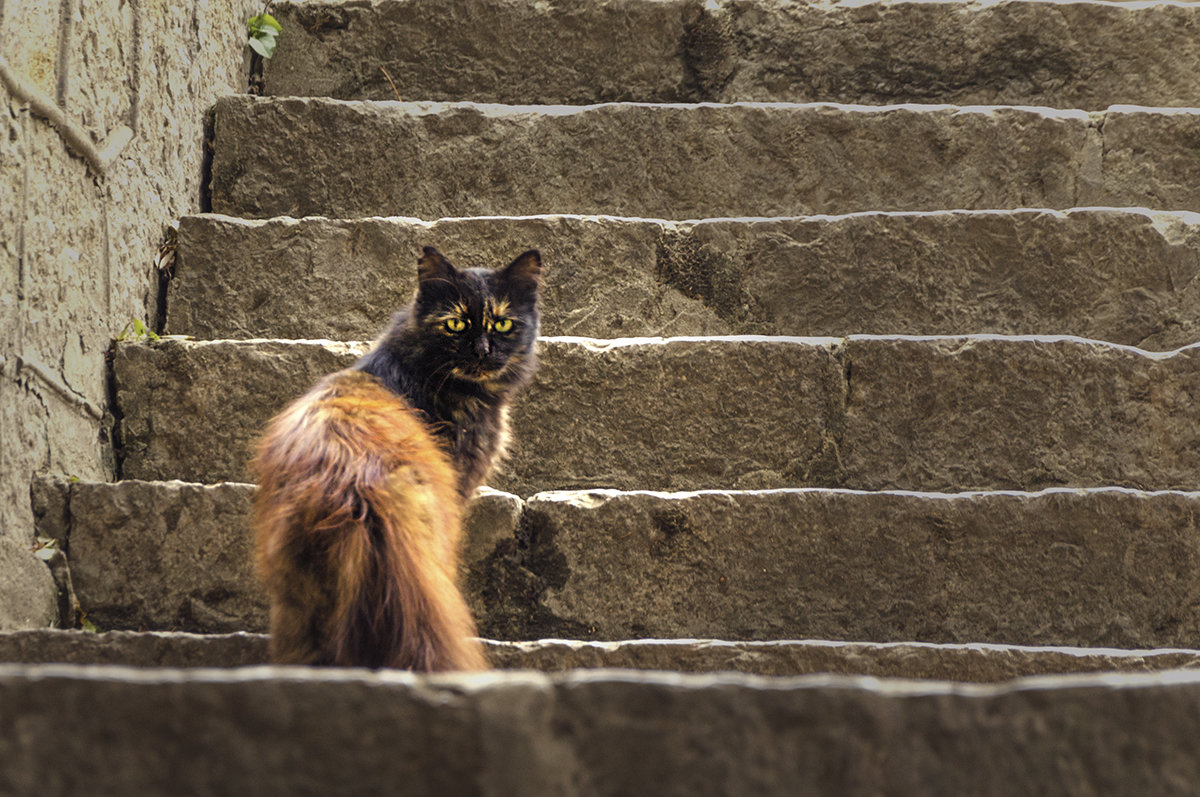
(479, 324)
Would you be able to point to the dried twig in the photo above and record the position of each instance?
(391, 83)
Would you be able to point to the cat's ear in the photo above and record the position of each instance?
(433, 266)
(525, 271)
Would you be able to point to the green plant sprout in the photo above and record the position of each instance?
(264, 29)
(136, 330)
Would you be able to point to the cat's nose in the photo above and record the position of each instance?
(483, 346)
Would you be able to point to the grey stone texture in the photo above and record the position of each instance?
(666, 161)
(1102, 567)
(174, 555)
(1068, 567)
(1004, 413)
(493, 50)
(979, 663)
(76, 246)
(296, 731)
(690, 161)
(153, 648)
(1125, 276)
(1086, 55)
(28, 596)
(955, 413)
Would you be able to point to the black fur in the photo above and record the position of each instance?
(462, 382)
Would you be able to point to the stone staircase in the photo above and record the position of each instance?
(893, 389)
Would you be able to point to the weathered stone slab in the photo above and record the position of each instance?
(1068, 55)
(989, 413)
(28, 597)
(1148, 157)
(292, 731)
(668, 161)
(1051, 568)
(172, 555)
(193, 411)
(980, 412)
(342, 279)
(571, 52)
(968, 663)
(136, 648)
(1063, 54)
(1066, 567)
(670, 414)
(1126, 276)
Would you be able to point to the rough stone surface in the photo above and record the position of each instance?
(141, 649)
(1069, 567)
(571, 52)
(76, 247)
(966, 663)
(678, 414)
(28, 597)
(1148, 158)
(1063, 55)
(868, 412)
(177, 383)
(1051, 568)
(666, 161)
(638, 414)
(1068, 55)
(1127, 277)
(172, 555)
(295, 731)
(962, 414)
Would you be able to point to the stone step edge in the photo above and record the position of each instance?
(973, 662)
(727, 49)
(496, 109)
(358, 347)
(1185, 216)
(297, 730)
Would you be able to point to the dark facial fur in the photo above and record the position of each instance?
(461, 351)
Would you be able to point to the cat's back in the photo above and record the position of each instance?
(350, 440)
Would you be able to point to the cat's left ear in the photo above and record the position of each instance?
(433, 266)
(525, 271)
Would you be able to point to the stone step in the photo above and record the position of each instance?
(308, 156)
(1068, 54)
(289, 731)
(1084, 568)
(1126, 276)
(979, 663)
(949, 413)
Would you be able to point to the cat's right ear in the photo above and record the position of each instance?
(525, 271)
(433, 267)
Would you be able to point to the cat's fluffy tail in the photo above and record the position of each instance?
(358, 526)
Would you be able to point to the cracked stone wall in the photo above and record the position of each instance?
(102, 115)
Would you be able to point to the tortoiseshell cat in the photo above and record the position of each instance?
(363, 480)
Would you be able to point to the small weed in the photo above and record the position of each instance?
(136, 330)
(264, 29)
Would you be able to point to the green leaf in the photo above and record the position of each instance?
(89, 626)
(266, 21)
(139, 328)
(263, 45)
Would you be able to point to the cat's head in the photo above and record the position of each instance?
(479, 324)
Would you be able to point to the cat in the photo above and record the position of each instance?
(362, 482)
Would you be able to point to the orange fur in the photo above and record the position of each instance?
(358, 524)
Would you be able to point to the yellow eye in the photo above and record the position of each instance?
(502, 325)
(455, 324)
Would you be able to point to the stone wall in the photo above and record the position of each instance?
(102, 114)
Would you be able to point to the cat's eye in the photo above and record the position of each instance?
(502, 325)
(455, 324)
